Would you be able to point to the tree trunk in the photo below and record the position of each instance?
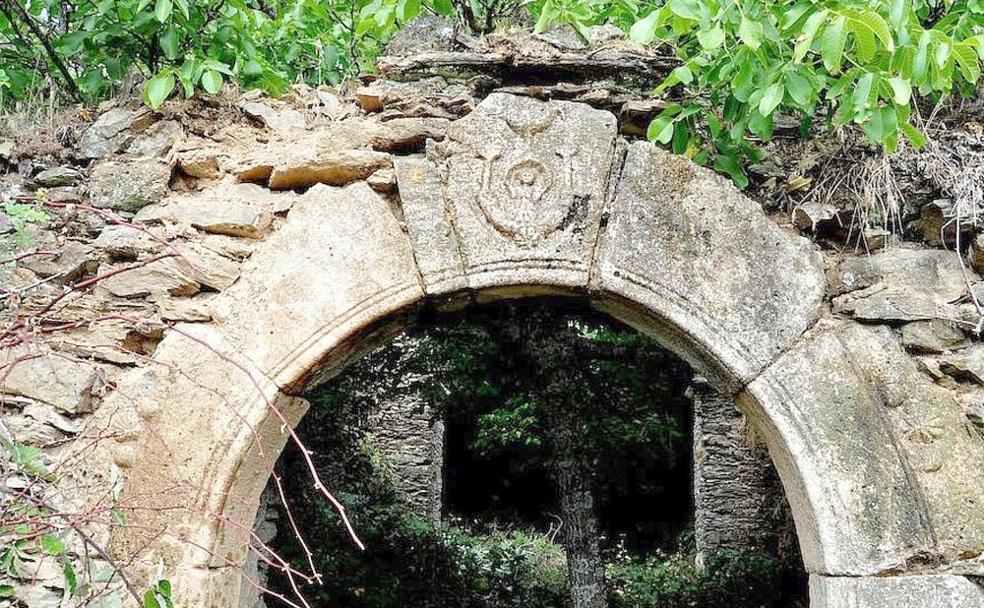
(572, 475)
(550, 346)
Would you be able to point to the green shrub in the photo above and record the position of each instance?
(729, 579)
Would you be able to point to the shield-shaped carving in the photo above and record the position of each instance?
(527, 198)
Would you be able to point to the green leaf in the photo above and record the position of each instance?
(799, 88)
(743, 83)
(158, 89)
(162, 10)
(901, 90)
(771, 99)
(29, 458)
(882, 125)
(789, 17)
(643, 31)
(805, 40)
(681, 137)
(750, 32)
(914, 135)
(443, 7)
(407, 10)
(865, 42)
(6, 591)
(832, 44)
(71, 580)
(52, 545)
(683, 74)
(171, 43)
(686, 9)
(896, 13)
(966, 58)
(712, 38)
(660, 129)
(881, 29)
(164, 587)
(874, 22)
(212, 81)
(117, 516)
(252, 68)
(729, 164)
(942, 54)
(862, 91)
(920, 64)
(150, 599)
(70, 43)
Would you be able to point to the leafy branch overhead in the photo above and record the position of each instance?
(193, 46)
(838, 62)
(746, 67)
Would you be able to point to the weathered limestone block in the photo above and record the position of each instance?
(407, 134)
(428, 220)
(125, 242)
(228, 211)
(38, 424)
(208, 267)
(816, 216)
(932, 336)
(966, 365)
(344, 152)
(281, 120)
(525, 192)
(935, 591)
(885, 459)
(340, 259)
(199, 391)
(72, 260)
(157, 140)
(335, 168)
(682, 240)
(939, 224)
(898, 285)
(256, 570)
(185, 309)
(738, 500)
(128, 185)
(198, 162)
(58, 176)
(112, 131)
(51, 378)
(428, 33)
(383, 180)
(167, 275)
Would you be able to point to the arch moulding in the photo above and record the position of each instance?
(528, 198)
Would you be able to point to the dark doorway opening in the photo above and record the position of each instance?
(476, 521)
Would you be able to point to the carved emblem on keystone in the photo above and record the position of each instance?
(523, 200)
(521, 183)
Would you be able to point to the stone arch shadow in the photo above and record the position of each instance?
(666, 247)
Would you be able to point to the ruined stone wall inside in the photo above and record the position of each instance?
(409, 438)
(738, 499)
(382, 402)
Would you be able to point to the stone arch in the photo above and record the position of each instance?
(541, 198)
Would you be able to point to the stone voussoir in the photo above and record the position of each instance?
(685, 241)
(904, 462)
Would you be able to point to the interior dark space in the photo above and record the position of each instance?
(458, 474)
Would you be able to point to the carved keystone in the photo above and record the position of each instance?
(518, 188)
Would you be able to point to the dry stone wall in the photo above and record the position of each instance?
(738, 500)
(202, 265)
